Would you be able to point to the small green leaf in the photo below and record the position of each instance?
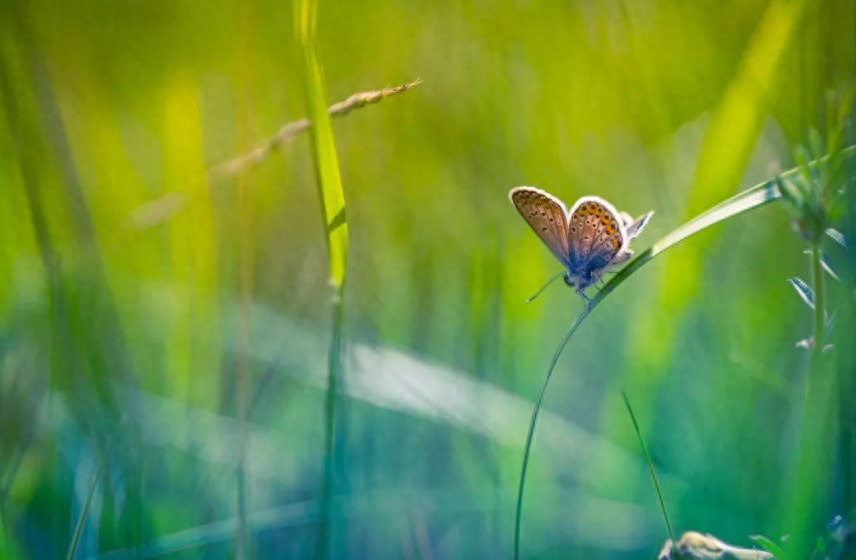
(837, 236)
(816, 144)
(808, 170)
(803, 290)
(825, 263)
(778, 552)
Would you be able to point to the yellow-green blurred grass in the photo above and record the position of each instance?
(734, 129)
(578, 99)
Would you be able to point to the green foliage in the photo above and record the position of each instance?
(329, 178)
(777, 551)
(165, 298)
(81, 520)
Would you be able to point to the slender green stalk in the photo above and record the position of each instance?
(650, 467)
(81, 521)
(819, 299)
(531, 433)
(334, 375)
(332, 198)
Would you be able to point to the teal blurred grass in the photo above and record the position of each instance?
(612, 99)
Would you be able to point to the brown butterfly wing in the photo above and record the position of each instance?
(594, 236)
(546, 216)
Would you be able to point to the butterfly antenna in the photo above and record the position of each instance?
(544, 287)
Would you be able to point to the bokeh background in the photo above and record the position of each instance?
(181, 358)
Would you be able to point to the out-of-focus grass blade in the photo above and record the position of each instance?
(81, 521)
(837, 236)
(749, 199)
(336, 229)
(826, 264)
(650, 467)
(323, 147)
(804, 290)
(771, 547)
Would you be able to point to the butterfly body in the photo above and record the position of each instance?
(588, 240)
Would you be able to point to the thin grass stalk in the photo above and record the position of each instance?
(819, 300)
(157, 211)
(332, 199)
(531, 433)
(334, 361)
(81, 521)
(650, 467)
(804, 498)
(292, 130)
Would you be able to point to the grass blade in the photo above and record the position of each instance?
(329, 178)
(81, 521)
(650, 467)
(771, 547)
(332, 199)
(803, 290)
(749, 199)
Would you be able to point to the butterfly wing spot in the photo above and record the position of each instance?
(594, 236)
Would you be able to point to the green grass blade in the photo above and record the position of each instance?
(81, 521)
(332, 198)
(771, 547)
(650, 467)
(329, 178)
(749, 199)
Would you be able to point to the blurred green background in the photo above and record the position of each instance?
(133, 349)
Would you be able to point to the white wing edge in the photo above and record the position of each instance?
(539, 191)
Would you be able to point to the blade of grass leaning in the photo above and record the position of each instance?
(332, 198)
(650, 467)
(749, 199)
(778, 552)
(166, 206)
(329, 179)
(81, 521)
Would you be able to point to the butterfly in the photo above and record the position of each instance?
(589, 240)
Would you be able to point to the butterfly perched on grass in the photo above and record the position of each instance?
(589, 240)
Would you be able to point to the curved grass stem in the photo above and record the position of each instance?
(534, 421)
(747, 200)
